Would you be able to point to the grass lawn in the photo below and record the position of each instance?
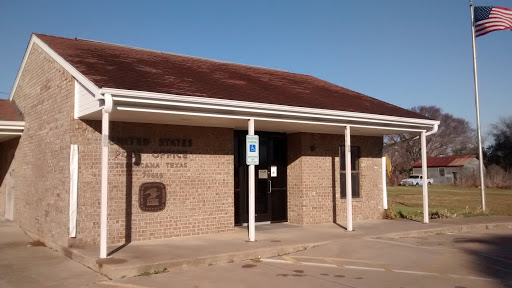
(449, 200)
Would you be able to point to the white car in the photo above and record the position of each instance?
(415, 180)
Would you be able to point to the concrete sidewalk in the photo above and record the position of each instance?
(25, 263)
(272, 240)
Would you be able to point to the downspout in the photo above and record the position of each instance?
(105, 121)
(433, 131)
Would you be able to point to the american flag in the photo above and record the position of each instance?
(489, 19)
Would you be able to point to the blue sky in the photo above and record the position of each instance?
(407, 53)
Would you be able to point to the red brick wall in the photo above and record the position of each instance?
(45, 97)
(295, 179)
(199, 184)
(314, 181)
(196, 167)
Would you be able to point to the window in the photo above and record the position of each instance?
(441, 172)
(354, 157)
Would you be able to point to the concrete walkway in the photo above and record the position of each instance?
(25, 263)
(272, 240)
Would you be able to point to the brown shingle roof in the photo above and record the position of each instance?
(121, 67)
(448, 161)
(8, 111)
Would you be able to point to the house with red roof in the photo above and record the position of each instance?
(109, 144)
(449, 169)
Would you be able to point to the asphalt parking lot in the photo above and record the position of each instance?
(476, 259)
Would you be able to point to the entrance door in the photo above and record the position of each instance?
(270, 179)
(263, 183)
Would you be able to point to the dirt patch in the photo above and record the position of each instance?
(249, 266)
(339, 276)
(298, 271)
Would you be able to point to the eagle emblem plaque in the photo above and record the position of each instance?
(152, 197)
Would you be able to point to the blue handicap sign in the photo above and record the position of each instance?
(252, 148)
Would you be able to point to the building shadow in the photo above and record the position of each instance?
(133, 157)
(492, 255)
(7, 151)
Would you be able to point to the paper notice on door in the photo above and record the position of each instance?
(273, 171)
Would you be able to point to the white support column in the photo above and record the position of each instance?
(105, 121)
(384, 187)
(424, 176)
(348, 171)
(252, 200)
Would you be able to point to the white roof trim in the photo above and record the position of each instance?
(78, 76)
(12, 123)
(163, 100)
(11, 127)
(167, 111)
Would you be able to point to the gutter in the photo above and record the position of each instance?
(434, 130)
(142, 100)
(12, 127)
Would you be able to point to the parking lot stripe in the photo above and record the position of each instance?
(277, 261)
(318, 264)
(338, 259)
(415, 272)
(409, 245)
(364, 268)
(470, 277)
(290, 259)
(121, 284)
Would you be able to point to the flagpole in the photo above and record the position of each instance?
(481, 158)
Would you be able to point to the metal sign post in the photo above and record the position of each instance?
(252, 158)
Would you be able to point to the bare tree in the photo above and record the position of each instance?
(500, 151)
(454, 137)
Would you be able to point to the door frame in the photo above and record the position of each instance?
(241, 180)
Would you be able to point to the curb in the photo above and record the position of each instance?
(115, 272)
(445, 230)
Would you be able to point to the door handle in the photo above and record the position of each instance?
(269, 186)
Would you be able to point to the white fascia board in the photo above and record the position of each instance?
(77, 75)
(181, 100)
(12, 127)
(169, 111)
(13, 123)
(251, 113)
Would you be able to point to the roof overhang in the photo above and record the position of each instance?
(72, 70)
(148, 107)
(10, 129)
